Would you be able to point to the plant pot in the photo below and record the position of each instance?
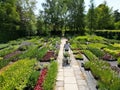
(97, 87)
(87, 69)
(82, 64)
(119, 65)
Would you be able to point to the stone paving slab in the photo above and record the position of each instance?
(60, 73)
(60, 84)
(70, 87)
(83, 88)
(60, 88)
(82, 82)
(70, 80)
(60, 78)
(68, 74)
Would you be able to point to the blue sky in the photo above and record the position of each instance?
(111, 3)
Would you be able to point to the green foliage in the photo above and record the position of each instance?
(90, 55)
(112, 52)
(2, 46)
(51, 76)
(66, 54)
(118, 60)
(30, 53)
(33, 79)
(111, 34)
(4, 62)
(8, 50)
(96, 51)
(117, 25)
(91, 18)
(90, 38)
(74, 20)
(104, 18)
(102, 71)
(97, 45)
(79, 56)
(41, 53)
(16, 75)
(87, 65)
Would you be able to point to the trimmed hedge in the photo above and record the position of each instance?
(111, 34)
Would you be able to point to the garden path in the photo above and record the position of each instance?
(69, 77)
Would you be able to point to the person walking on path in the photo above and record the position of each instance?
(67, 46)
(66, 59)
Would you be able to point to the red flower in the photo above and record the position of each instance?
(40, 80)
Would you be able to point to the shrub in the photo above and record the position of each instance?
(30, 53)
(8, 50)
(96, 51)
(4, 62)
(66, 54)
(32, 80)
(50, 77)
(107, 78)
(118, 61)
(90, 55)
(111, 34)
(16, 76)
(79, 56)
(87, 65)
(2, 46)
(41, 53)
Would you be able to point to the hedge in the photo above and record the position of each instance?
(111, 34)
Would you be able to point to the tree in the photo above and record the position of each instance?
(76, 15)
(104, 17)
(27, 22)
(91, 17)
(9, 20)
(117, 15)
(64, 14)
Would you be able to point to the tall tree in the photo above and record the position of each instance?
(9, 20)
(91, 17)
(104, 17)
(26, 9)
(117, 19)
(59, 14)
(117, 15)
(8, 15)
(76, 15)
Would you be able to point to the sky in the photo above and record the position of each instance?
(115, 4)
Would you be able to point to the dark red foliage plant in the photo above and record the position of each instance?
(41, 79)
(48, 55)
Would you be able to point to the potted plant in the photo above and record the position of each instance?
(87, 65)
(118, 62)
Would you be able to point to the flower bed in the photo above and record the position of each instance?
(96, 51)
(108, 57)
(39, 85)
(16, 76)
(89, 55)
(107, 78)
(50, 78)
(79, 56)
(8, 50)
(48, 56)
(12, 54)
